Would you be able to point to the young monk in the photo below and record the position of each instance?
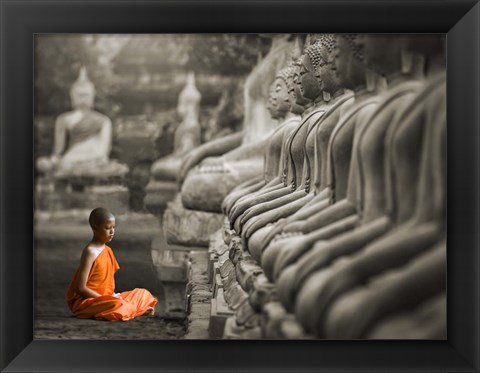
(91, 293)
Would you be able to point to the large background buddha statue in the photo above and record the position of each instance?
(83, 138)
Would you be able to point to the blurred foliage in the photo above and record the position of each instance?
(58, 59)
(228, 54)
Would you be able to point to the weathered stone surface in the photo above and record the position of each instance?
(226, 269)
(158, 194)
(189, 227)
(234, 331)
(205, 190)
(137, 181)
(198, 297)
(246, 271)
(245, 313)
(235, 296)
(220, 312)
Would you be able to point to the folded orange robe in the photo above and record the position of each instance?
(107, 307)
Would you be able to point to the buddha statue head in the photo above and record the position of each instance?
(349, 61)
(283, 85)
(383, 52)
(82, 92)
(325, 67)
(300, 100)
(271, 102)
(189, 98)
(310, 85)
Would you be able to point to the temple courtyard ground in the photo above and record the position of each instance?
(59, 241)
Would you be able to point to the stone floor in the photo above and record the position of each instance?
(58, 245)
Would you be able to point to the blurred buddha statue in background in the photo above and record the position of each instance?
(83, 137)
(162, 187)
(187, 134)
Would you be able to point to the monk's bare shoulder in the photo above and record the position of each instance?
(91, 252)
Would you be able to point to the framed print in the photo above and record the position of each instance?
(113, 126)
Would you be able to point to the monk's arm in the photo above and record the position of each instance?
(86, 263)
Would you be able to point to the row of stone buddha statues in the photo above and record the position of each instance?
(337, 215)
(333, 195)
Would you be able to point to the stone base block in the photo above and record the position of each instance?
(175, 300)
(212, 260)
(158, 194)
(218, 316)
(218, 284)
(189, 227)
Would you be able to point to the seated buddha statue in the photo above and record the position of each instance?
(315, 148)
(187, 134)
(206, 185)
(340, 177)
(276, 187)
(418, 213)
(82, 139)
(297, 139)
(162, 186)
(383, 54)
(280, 106)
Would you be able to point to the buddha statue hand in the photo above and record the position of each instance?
(294, 227)
(261, 294)
(212, 168)
(190, 160)
(282, 236)
(212, 148)
(276, 230)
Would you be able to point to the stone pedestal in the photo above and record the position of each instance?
(189, 227)
(172, 269)
(158, 194)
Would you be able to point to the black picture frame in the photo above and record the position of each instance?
(20, 20)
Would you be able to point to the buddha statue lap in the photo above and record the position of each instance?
(426, 321)
(374, 221)
(79, 173)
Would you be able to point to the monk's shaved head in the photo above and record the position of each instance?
(99, 215)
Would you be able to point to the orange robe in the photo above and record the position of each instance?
(107, 307)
